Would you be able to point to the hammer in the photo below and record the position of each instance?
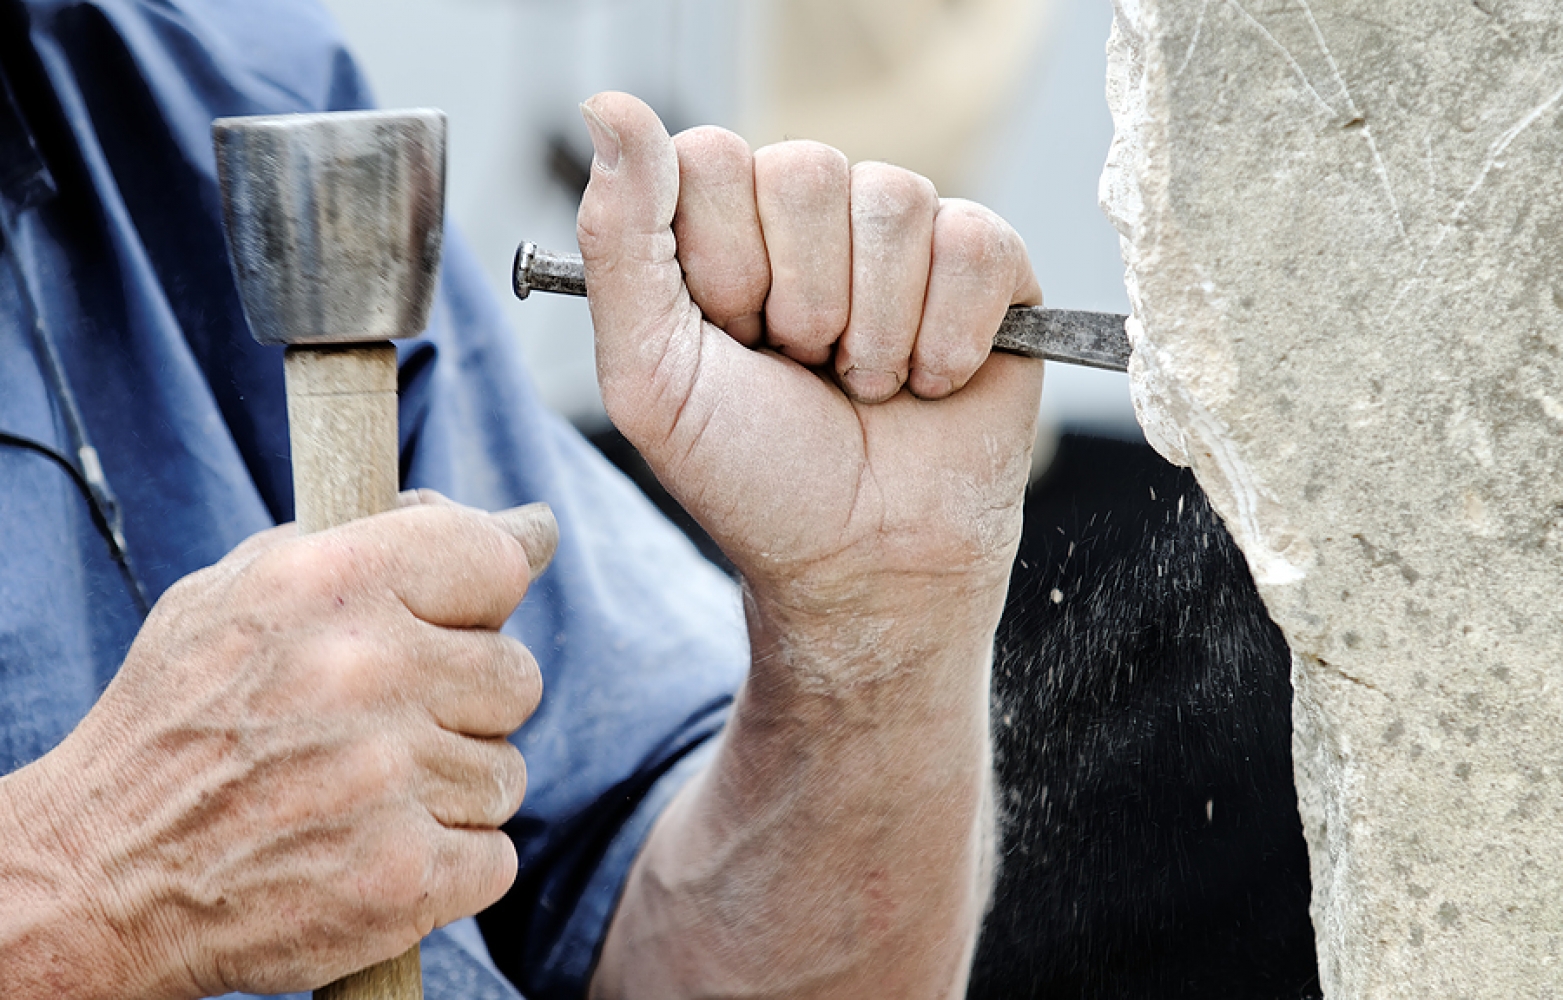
(334, 226)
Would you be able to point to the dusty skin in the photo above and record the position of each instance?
(314, 727)
(837, 846)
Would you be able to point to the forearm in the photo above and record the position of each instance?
(840, 844)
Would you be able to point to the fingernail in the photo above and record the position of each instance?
(535, 528)
(871, 386)
(747, 330)
(930, 386)
(605, 141)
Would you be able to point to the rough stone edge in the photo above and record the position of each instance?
(1184, 432)
(1176, 423)
(1121, 201)
(1325, 769)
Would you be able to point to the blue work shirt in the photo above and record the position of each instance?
(143, 436)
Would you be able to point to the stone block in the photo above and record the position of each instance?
(1343, 225)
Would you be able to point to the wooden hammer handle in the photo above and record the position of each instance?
(399, 979)
(342, 422)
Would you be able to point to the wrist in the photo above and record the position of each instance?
(877, 618)
(59, 936)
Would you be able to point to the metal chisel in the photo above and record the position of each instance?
(1095, 340)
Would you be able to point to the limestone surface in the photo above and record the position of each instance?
(1343, 224)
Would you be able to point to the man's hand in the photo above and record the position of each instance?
(810, 484)
(300, 769)
(800, 349)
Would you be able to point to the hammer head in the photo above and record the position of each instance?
(334, 222)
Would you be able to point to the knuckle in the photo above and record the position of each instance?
(405, 873)
(384, 769)
(976, 235)
(881, 191)
(317, 571)
(368, 775)
(349, 669)
(800, 167)
(455, 525)
(711, 151)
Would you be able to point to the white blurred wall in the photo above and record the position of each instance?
(510, 74)
(1041, 174)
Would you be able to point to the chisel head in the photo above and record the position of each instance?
(335, 222)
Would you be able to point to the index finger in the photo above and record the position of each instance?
(980, 268)
(454, 566)
(717, 227)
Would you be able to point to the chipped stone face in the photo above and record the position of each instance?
(1343, 223)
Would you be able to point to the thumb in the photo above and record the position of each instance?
(636, 287)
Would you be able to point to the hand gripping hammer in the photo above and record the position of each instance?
(334, 231)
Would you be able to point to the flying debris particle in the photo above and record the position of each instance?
(1180, 506)
(1153, 492)
(1057, 596)
(1210, 810)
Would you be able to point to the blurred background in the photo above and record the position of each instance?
(1000, 101)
